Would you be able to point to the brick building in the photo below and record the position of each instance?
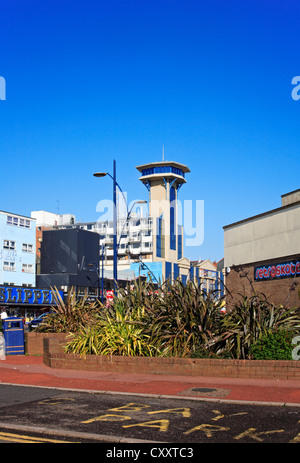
(262, 253)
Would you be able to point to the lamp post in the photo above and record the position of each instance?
(113, 177)
(115, 244)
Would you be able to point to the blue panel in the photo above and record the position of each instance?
(172, 218)
(159, 237)
(183, 279)
(151, 270)
(168, 272)
(176, 271)
(180, 246)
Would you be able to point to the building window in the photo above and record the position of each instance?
(9, 266)
(27, 268)
(27, 247)
(18, 221)
(7, 244)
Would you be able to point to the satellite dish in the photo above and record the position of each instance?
(228, 269)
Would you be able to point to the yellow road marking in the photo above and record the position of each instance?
(29, 439)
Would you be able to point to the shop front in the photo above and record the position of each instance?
(25, 302)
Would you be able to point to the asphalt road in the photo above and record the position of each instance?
(59, 415)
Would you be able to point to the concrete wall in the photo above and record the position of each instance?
(271, 235)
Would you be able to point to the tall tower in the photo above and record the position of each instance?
(163, 181)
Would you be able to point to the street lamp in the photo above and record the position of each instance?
(115, 244)
(103, 174)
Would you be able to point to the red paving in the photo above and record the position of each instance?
(30, 370)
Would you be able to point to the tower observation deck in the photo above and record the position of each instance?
(163, 180)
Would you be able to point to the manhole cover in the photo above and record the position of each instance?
(205, 392)
(203, 389)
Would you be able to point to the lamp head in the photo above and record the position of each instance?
(100, 174)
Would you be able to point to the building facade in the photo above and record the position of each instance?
(17, 252)
(262, 253)
(69, 258)
(46, 221)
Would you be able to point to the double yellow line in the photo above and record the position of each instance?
(7, 436)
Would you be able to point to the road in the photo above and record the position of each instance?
(33, 413)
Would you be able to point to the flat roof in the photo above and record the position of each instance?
(290, 193)
(263, 214)
(178, 165)
(19, 215)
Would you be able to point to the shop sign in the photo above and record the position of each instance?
(277, 271)
(207, 273)
(33, 296)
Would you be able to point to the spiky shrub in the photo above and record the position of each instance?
(70, 316)
(179, 318)
(117, 331)
(251, 319)
(173, 320)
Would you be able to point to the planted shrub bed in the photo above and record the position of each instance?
(173, 321)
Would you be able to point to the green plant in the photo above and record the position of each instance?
(251, 319)
(70, 316)
(273, 346)
(173, 320)
(117, 332)
(181, 317)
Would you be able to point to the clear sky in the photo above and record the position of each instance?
(89, 81)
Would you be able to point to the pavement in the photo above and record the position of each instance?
(31, 371)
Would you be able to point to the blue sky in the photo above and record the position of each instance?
(92, 81)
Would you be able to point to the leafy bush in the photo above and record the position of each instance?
(274, 346)
(117, 331)
(173, 320)
(251, 319)
(183, 318)
(70, 316)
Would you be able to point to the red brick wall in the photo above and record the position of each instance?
(34, 341)
(265, 369)
(278, 291)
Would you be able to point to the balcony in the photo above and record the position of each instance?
(134, 238)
